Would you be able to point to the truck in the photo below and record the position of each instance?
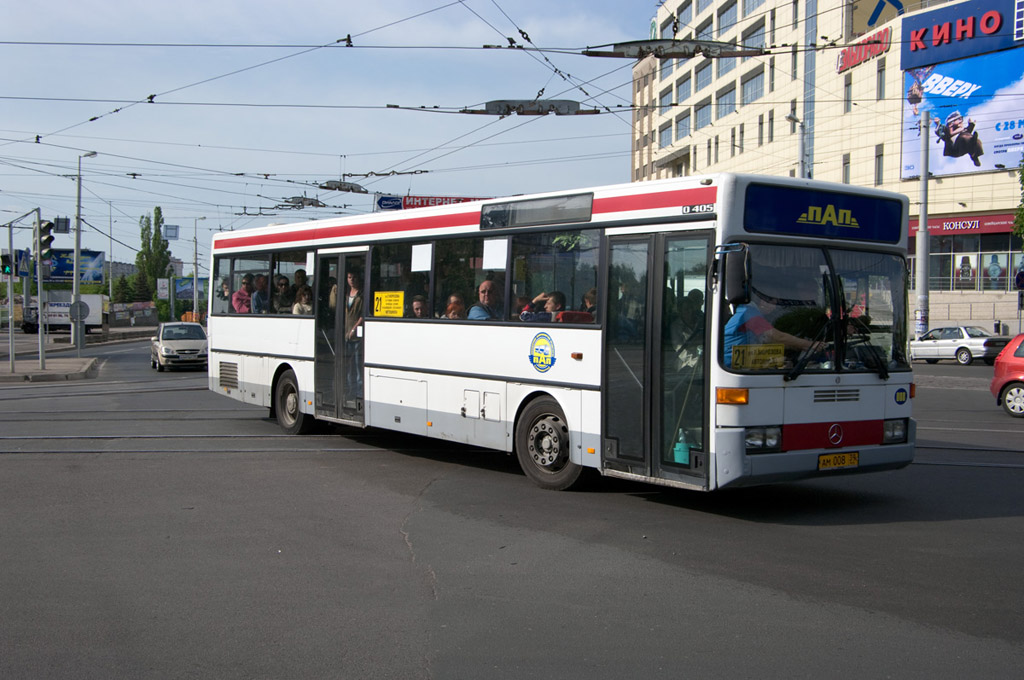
(57, 312)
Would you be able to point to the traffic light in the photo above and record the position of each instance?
(8, 266)
(45, 240)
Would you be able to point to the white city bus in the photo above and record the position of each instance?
(716, 331)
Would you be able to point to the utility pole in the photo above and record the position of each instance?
(921, 280)
(195, 267)
(40, 293)
(76, 326)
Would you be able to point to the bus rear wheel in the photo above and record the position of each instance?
(287, 406)
(542, 446)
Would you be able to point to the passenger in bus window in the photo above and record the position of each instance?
(456, 308)
(419, 307)
(300, 280)
(353, 339)
(544, 307)
(222, 299)
(489, 305)
(241, 301)
(260, 301)
(303, 301)
(590, 302)
(282, 299)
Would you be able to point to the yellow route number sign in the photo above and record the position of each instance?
(388, 303)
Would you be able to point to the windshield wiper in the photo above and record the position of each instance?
(806, 355)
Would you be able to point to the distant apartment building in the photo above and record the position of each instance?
(848, 84)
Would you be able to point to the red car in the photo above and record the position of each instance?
(1008, 381)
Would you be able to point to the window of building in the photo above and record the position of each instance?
(846, 168)
(794, 72)
(665, 137)
(742, 134)
(879, 158)
(667, 29)
(732, 142)
(725, 64)
(683, 89)
(752, 88)
(703, 5)
(771, 74)
(726, 102)
(702, 115)
(709, 154)
(796, 13)
(792, 116)
(750, 5)
(754, 38)
(704, 31)
(716, 148)
(665, 102)
(685, 14)
(760, 130)
(880, 80)
(848, 93)
(702, 76)
(771, 125)
(666, 68)
(771, 26)
(682, 127)
(727, 18)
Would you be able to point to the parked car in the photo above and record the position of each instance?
(178, 345)
(963, 343)
(1008, 381)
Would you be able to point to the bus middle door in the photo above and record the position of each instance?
(655, 393)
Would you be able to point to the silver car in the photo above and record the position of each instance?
(178, 345)
(963, 343)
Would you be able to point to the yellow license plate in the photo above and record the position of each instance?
(838, 461)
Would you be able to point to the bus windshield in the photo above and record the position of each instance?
(819, 310)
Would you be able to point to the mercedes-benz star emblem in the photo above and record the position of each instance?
(835, 434)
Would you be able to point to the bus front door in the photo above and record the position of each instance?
(655, 393)
(338, 361)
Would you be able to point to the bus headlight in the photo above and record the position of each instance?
(763, 439)
(894, 431)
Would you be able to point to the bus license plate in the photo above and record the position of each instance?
(838, 461)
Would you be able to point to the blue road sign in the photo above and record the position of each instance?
(24, 263)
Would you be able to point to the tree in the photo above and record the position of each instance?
(122, 290)
(141, 292)
(153, 257)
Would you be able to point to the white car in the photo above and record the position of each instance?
(963, 343)
(178, 345)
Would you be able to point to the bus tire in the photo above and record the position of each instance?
(287, 405)
(542, 445)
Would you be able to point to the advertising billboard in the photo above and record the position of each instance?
(62, 266)
(964, 65)
(183, 288)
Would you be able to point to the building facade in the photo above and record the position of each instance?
(840, 95)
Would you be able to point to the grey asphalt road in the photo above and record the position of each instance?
(151, 528)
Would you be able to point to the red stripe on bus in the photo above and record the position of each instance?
(613, 204)
(800, 436)
(663, 199)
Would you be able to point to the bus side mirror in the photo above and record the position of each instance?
(737, 276)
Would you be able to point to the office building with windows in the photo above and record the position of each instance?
(838, 93)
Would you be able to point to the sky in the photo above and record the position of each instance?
(257, 102)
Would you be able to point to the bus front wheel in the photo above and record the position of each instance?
(287, 406)
(542, 445)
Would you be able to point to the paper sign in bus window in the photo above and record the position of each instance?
(389, 303)
(758, 356)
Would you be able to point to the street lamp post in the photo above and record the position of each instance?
(195, 268)
(76, 326)
(802, 143)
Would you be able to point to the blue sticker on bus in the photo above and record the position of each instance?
(542, 352)
(902, 396)
(772, 209)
